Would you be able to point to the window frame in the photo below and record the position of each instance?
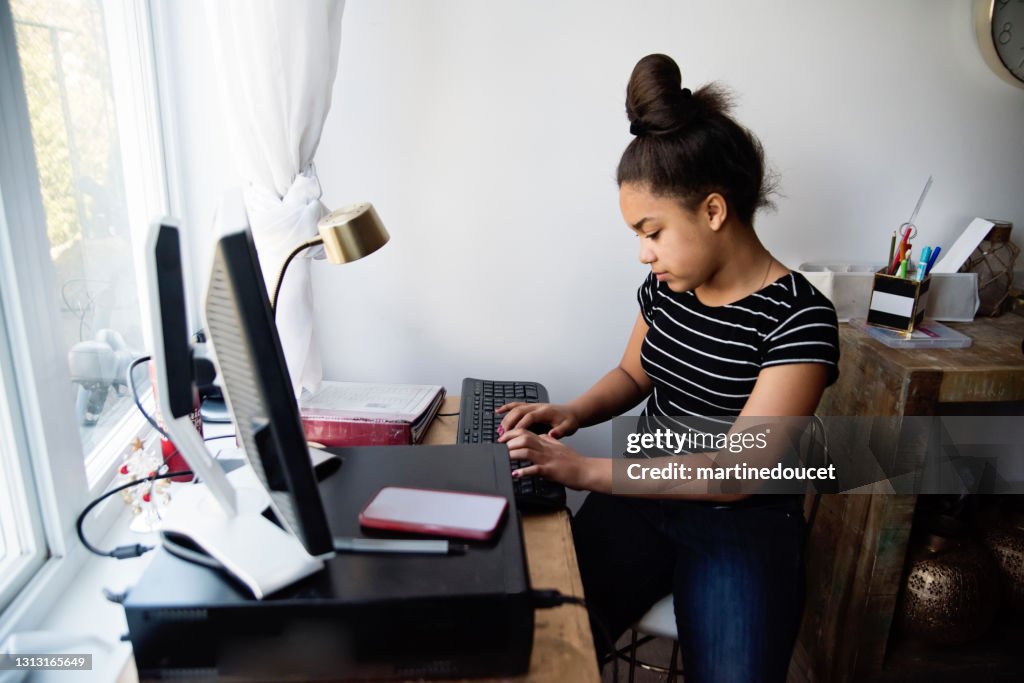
(65, 479)
(22, 500)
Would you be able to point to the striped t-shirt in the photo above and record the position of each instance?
(704, 360)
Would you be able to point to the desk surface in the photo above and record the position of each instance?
(562, 645)
(990, 369)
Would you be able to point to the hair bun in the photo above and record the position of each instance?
(655, 101)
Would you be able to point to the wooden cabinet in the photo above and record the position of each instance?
(858, 545)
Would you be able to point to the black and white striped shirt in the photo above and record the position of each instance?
(704, 360)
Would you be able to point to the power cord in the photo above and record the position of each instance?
(122, 551)
(135, 395)
(548, 598)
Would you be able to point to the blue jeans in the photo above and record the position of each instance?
(736, 573)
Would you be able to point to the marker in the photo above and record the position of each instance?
(922, 264)
(903, 269)
(931, 261)
(397, 545)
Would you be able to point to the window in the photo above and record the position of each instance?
(21, 540)
(84, 142)
(81, 176)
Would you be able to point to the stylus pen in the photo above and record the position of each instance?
(396, 545)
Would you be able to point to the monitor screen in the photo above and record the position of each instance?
(241, 328)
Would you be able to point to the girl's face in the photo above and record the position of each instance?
(679, 245)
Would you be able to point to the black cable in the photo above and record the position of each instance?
(446, 414)
(547, 598)
(135, 395)
(122, 551)
(544, 599)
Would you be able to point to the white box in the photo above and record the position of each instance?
(953, 297)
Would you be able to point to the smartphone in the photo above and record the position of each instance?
(440, 513)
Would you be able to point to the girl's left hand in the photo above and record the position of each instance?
(547, 457)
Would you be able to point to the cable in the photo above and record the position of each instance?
(135, 395)
(548, 598)
(122, 551)
(446, 414)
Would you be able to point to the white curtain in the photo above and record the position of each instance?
(276, 61)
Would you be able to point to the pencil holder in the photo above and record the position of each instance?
(898, 303)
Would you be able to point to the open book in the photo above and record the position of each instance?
(369, 414)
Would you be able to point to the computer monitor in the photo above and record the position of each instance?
(257, 387)
(225, 517)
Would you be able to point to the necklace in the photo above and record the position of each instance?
(771, 260)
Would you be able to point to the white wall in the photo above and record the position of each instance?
(487, 135)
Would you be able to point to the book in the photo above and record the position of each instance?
(369, 414)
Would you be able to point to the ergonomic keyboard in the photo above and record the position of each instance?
(478, 423)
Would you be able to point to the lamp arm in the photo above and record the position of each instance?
(280, 274)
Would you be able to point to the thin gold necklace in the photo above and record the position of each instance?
(771, 260)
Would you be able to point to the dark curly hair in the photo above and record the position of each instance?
(687, 146)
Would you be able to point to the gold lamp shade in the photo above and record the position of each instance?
(352, 232)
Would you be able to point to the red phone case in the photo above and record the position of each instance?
(440, 513)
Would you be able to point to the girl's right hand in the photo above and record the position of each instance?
(522, 415)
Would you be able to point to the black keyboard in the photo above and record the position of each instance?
(479, 424)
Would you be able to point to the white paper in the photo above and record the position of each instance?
(368, 400)
(957, 254)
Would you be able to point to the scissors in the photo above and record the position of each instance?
(908, 230)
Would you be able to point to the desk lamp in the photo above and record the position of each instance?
(348, 234)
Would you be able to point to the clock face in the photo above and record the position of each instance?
(1008, 34)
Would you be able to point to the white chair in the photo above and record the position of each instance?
(658, 622)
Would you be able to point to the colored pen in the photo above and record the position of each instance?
(933, 259)
(922, 264)
(397, 545)
(903, 269)
(896, 261)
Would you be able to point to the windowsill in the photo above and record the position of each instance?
(78, 618)
(82, 616)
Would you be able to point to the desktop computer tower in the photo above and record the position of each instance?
(365, 616)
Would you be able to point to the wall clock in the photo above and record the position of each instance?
(999, 25)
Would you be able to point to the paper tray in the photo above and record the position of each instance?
(929, 334)
(953, 297)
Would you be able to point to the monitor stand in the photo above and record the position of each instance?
(250, 547)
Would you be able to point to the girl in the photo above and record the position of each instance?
(726, 330)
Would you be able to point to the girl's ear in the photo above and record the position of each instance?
(714, 211)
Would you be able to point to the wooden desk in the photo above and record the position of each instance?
(563, 648)
(858, 546)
